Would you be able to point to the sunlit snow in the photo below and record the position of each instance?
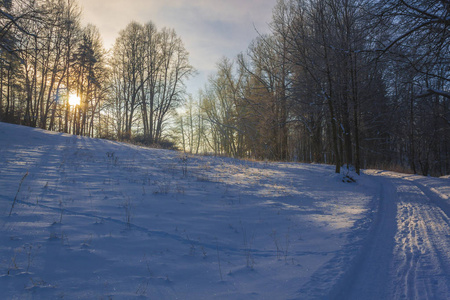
(94, 219)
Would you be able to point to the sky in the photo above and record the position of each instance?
(210, 29)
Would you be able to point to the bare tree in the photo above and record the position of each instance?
(149, 71)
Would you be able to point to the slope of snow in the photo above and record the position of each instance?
(88, 218)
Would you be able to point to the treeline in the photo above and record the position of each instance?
(355, 83)
(47, 58)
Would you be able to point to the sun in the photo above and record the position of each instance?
(74, 100)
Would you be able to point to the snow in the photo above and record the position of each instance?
(97, 219)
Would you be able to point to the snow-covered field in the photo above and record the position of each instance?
(85, 218)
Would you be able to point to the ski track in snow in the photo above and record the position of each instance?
(99, 219)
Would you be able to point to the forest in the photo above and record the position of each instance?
(354, 83)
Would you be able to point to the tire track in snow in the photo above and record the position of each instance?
(335, 279)
(418, 264)
(421, 258)
(438, 198)
(368, 276)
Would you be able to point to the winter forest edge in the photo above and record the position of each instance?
(344, 82)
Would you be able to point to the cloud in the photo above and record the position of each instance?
(209, 29)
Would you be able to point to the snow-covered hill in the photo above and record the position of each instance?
(85, 218)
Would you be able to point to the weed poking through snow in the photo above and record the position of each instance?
(18, 190)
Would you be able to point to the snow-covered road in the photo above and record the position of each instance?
(407, 253)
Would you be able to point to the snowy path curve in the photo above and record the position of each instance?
(407, 252)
